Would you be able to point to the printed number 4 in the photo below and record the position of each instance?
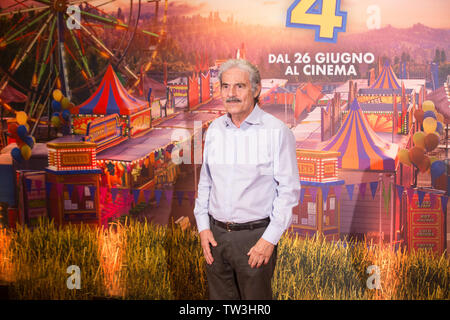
(324, 16)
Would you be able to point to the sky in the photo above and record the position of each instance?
(398, 13)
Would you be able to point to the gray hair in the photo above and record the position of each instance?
(255, 77)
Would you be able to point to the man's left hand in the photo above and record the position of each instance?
(260, 253)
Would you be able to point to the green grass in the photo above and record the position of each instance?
(134, 260)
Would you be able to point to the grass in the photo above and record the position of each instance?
(134, 260)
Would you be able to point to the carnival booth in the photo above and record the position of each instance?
(318, 212)
(384, 99)
(365, 160)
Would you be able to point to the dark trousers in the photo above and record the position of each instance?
(230, 277)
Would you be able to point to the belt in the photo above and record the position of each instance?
(231, 226)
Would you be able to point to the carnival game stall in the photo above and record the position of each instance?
(365, 161)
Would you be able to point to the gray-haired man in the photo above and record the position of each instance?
(248, 186)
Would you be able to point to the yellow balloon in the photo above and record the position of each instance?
(21, 117)
(57, 95)
(439, 117)
(65, 103)
(419, 139)
(433, 159)
(27, 126)
(428, 105)
(429, 125)
(26, 151)
(403, 157)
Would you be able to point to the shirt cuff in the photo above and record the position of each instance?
(272, 234)
(202, 222)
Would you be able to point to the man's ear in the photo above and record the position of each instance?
(257, 92)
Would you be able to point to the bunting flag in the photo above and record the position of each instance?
(313, 193)
(337, 192)
(302, 194)
(59, 189)
(48, 187)
(205, 91)
(350, 188)
(169, 196)
(444, 200)
(362, 189)
(386, 197)
(92, 190)
(410, 192)
(28, 183)
(147, 195)
(179, 195)
(136, 193)
(70, 189)
(80, 192)
(373, 188)
(400, 190)
(158, 194)
(421, 195)
(191, 197)
(433, 200)
(325, 190)
(114, 192)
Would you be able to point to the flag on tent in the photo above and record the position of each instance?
(373, 188)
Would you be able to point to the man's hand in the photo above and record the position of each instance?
(206, 237)
(260, 253)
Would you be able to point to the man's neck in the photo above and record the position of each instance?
(237, 119)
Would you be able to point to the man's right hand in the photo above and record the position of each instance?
(206, 237)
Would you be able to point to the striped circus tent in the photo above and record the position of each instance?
(111, 97)
(360, 147)
(386, 79)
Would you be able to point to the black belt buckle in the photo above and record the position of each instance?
(228, 224)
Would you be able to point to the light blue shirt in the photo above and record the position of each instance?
(249, 173)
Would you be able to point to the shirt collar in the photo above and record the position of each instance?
(253, 118)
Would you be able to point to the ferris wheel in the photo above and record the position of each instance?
(68, 44)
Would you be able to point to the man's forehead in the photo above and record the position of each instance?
(235, 75)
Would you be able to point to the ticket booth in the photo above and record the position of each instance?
(318, 212)
(425, 222)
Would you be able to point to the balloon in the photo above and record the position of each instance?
(66, 115)
(71, 105)
(418, 114)
(429, 125)
(25, 150)
(428, 114)
(416, 155)
(428, 105)
(29, 141)
(433, 159)
(19, 142)
(21, 117)
(439, 128)
(431, 141)
(56, 106)
(16, 154)
(12, 128)
(437, 169)
(57, 95)
(425, 165)
(403, 157)
(439, 117)
(65, 103)
(22, 131)
(419, 139)
(55, 121)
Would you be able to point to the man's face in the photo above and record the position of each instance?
(236, 92)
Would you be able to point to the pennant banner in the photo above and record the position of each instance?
(410, 192)
(147, 195)
(38, 184)
(59, 189)
(80, 192)
(337, 192)
(136, 193)
(400, 190)
(421, 195)
(362, 189)
(48, 187)
(313, 193)
(70, 190)
(158, 194)
(325, 190)
(28, 183)
(373, 188)
(191, 197)
(169, 196)
(179, 195)
(302, 194)
(114, 192)
(350, 188)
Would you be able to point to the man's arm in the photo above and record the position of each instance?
(288, 189)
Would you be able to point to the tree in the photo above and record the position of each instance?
(437, 56)
(443, 56)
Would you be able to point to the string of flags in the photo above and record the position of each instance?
(134, 194)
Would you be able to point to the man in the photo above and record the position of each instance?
(248, 185)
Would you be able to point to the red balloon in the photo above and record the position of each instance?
(425, 165)
(12, 128)
(416, 156)
(431, 141)
(418, 114)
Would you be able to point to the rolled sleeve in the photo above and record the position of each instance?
(288, 187)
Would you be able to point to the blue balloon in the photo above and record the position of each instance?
(16, 154)
(22, 132)
(66, 114)
(440, 128)
(55, 114)
(428, 114)
(29, 141)
(437, 169)
(56, 106)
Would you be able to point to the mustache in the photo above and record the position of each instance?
(233, 99)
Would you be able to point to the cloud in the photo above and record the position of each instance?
(187, 8)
